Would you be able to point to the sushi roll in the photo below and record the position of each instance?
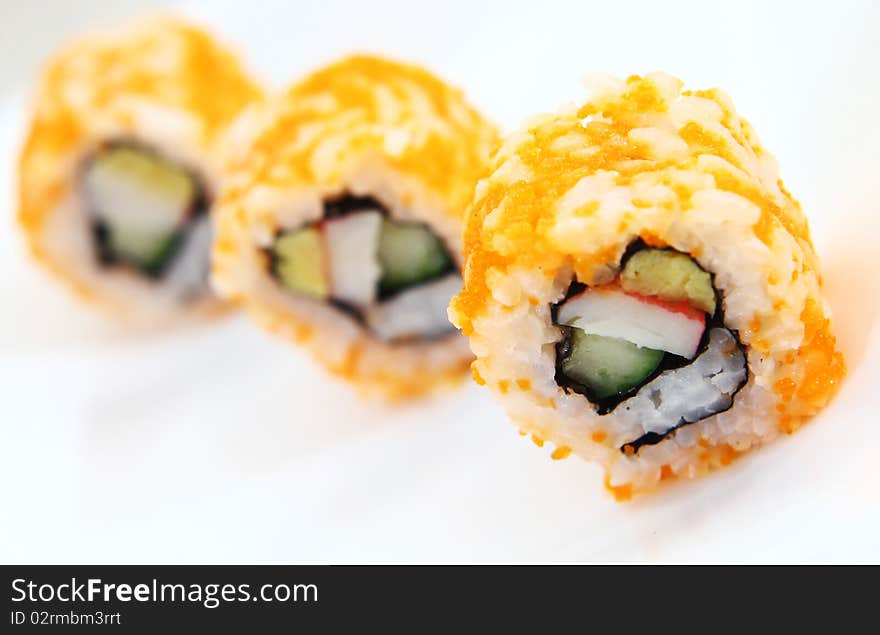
(118, 172)
(640, 289)
(340, 223)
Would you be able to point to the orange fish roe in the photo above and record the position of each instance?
(652, 240)
(785, 388)
(476, 374)
(727, 454)
(524, 215)
(621, 493)
(345, 103)
(560, 453)
(816, 370)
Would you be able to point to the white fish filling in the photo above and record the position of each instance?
(416, 312)
(188, 275)
(690, 393)
(646, 324)
(352, 242)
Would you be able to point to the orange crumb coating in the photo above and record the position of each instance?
(711, 457)
(113, 84)
(416, 132)
(811, 373)
(604, 144)
(368, 106)
(645, 159)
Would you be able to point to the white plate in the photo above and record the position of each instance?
(222, 444)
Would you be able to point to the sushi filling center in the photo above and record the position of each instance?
(651, 346)
(394, 278)
(148, 215)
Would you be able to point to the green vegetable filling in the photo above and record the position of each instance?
(299, 262)
(608, 366)
(669, 275)
(146, 250)
(409, 253)
(148, 172)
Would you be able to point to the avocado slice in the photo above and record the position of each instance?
(149, 251)
(409, 254)
(608, 366)
(669, 275)
(299, 262)
(142, 169)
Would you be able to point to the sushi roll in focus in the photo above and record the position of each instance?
(118, 172)
(340, 223)
(641, 290)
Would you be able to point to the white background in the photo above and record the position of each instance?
(222, 444)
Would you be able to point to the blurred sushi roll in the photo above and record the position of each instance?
(118, 173)
(340, 226)
(640, 289)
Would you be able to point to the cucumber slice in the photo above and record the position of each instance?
(669, 275)
(140, 204)
(608, 366)
(410, 253)
(149, 251)
(299, 262)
